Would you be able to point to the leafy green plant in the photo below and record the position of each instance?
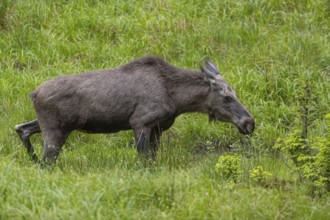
(317, 166)
(259, 175)
(311, 159)
(294, 147)
(229, 166)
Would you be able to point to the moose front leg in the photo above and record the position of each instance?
(145, 122)
(142, 141)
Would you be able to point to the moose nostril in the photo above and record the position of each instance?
(249, 125)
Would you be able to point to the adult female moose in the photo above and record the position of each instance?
(145, 95)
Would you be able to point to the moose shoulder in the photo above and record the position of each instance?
(145, 95)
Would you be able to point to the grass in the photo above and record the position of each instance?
(143, 192)
(269, 51)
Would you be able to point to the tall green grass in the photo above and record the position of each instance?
(269, 51)
(144, 193)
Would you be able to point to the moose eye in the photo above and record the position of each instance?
(228, 99)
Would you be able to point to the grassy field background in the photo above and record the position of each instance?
(275, 54)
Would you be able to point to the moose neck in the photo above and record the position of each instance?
(191, 99)
(188, 90)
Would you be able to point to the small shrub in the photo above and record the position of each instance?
(259, 175)
(312, 159)
(294, 147)
(229, 166)
(317, 168)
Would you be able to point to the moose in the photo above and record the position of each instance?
(145, 95)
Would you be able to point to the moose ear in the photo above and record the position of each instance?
(210, 76)
(211, 67)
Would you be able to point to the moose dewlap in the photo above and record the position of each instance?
(145, 95)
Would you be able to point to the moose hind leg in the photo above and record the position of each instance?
(24, 131)
(53, 141)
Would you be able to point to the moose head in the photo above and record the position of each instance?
(222, 101)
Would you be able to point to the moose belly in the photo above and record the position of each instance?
(104, 126)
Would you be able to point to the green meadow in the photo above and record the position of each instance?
(274, 53)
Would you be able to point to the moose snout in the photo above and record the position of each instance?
(247, 126)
